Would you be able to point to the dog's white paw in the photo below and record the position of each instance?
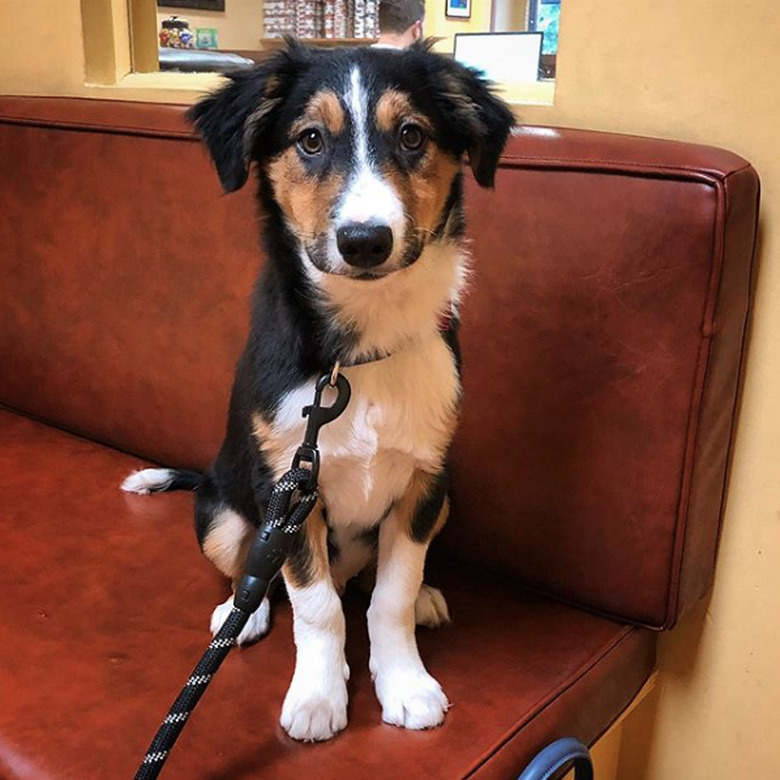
(411, 699)
(430, 608)
(315, 713)
(255, 627)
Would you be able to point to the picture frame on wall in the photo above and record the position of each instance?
(458, 9)
(200, 5)
(206, 38)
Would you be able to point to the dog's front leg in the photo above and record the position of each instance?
(315, 707)
(409, 696)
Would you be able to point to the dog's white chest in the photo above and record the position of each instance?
(400, 418)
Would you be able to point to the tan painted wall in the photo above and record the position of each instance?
(698, 70)
(42, 51)
(239, 26)
(43, 54)
(706, 71)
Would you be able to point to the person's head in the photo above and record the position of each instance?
(401, 21)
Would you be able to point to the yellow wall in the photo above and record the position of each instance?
(705, 71)
(42, 51)
(239, 26)
(43, 54)
(697, 70)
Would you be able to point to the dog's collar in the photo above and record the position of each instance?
(364, 360)
(444, 326)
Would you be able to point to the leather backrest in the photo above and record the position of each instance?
(602, 346)
(126, 275)
(602, 338)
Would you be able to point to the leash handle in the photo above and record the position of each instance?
(273, 539)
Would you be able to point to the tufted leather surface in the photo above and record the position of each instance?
(602, 344)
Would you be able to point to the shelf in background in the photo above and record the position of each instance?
(276, 43)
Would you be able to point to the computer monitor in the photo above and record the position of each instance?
(507, 57)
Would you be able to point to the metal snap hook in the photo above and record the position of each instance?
(319, 415)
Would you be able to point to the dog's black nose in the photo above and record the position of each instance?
(364, 244)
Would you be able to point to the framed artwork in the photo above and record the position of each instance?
(201, 5)
(206, 38)
(458, 9)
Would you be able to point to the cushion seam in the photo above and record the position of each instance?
(97, 127)
(685, 171)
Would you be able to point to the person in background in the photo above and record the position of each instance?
(400, 23)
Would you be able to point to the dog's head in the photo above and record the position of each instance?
(361, 148)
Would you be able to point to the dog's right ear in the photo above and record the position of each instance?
(237, 120)
(477, 120)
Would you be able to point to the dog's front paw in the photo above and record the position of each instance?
(314, 714)
(411, 699)
(255, 627)
(430, 608)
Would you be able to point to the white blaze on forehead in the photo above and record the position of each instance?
(368, 197)
(357, 101)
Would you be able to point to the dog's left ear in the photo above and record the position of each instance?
(478, 120)
(236, 122)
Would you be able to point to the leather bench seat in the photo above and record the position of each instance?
(106, 607)
(602, 339)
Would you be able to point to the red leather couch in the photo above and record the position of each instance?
(602, 342)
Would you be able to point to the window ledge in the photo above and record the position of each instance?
(158, 87)
(165, 87)
(531, 93)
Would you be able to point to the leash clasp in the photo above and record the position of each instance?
(319, 415)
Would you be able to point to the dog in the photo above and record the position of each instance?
(359, 156)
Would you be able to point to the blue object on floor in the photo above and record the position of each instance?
(556, 756)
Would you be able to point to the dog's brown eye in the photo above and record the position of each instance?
(311, 141)
(411, 138)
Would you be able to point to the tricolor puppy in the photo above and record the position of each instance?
(358, 155)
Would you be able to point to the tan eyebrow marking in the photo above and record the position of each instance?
(394, 106)
(325, 108)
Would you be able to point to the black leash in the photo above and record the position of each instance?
(266, 556)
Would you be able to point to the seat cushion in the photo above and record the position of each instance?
(106, 601)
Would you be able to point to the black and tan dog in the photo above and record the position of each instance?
(358, 154)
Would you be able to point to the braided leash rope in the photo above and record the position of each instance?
(285, 522)
(190, 695)
(266, 555)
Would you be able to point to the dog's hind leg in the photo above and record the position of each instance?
(256, 626)
(430, 607)
(225, 536)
